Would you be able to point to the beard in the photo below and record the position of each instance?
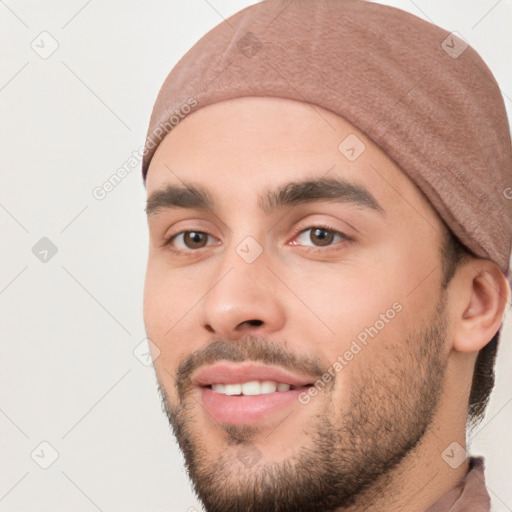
(352, 447)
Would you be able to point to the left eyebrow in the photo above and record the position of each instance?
(320, 189)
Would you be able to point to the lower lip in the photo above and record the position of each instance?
(245, 410)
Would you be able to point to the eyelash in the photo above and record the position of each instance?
(168, 241)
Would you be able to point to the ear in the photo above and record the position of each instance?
(481, 295)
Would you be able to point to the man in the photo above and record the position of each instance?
(330, 238)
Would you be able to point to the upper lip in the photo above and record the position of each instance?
(235, 373)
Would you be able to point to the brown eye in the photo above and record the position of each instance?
(187, 240)
(194, 239)
(321, 236)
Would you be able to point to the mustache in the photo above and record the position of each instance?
(249, 348)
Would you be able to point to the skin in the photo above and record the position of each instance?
(311, 303)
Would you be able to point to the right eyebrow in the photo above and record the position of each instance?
(172, 196)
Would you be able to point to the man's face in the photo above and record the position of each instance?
(301, 337)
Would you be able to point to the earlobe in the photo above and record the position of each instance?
(483, 294)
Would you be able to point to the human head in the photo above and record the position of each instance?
(217, 305)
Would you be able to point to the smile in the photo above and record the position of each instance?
(251, 388)
(246, 393)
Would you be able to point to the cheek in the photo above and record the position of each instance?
(342, 300)
(162, 326)
(168, 300)
(361, 325)
(168, 295)
(156, 296)
(368, 299)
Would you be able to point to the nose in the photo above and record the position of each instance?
(243, 299)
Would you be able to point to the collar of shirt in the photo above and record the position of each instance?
(469, 495)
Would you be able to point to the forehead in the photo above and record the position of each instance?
(237, 149)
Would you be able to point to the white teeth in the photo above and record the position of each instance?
(218, 387)
(251, 388)
(233, 389)
(268, 386)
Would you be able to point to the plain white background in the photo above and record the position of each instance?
(69, 326)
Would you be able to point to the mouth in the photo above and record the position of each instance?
(253, 388)
(245, 394)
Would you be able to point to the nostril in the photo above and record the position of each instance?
(255, 322)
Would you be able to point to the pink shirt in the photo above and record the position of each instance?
(469, 495)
